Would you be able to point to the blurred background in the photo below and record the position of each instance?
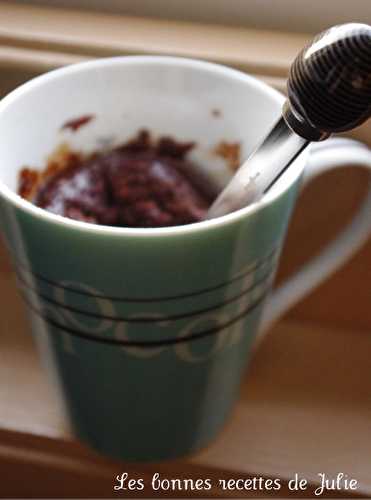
(290, 15)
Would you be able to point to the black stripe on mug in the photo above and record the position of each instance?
(147, 318)
(146, 344)
(258, 264)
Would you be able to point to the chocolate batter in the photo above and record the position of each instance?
(139, 184)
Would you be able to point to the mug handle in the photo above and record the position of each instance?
(325, 156)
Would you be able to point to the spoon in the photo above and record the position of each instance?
(329, 91)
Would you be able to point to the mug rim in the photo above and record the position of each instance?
(40, 213)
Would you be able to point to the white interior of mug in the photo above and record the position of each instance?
(186, 99)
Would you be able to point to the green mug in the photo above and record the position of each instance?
(147, 331)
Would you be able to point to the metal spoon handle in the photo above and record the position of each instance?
(260, 171)
(329, 90)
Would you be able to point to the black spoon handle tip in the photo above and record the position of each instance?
(329, 85)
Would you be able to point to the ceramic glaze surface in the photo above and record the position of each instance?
(148, 330)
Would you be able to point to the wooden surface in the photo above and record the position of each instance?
(344, 300)
(304, 407)
(100, 34)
